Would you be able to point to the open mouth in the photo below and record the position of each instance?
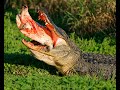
(44, 37)
(35, 45)
(41, 35)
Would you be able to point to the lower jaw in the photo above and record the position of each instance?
(34, 45)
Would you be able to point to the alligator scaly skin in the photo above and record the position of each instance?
(96, 64)
(91, 63)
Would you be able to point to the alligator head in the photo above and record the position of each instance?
(49, 43)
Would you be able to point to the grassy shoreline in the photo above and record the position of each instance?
(22, 71)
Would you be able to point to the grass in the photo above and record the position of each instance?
(96, 44)
(23, 72)
(46, 82)
(79, 16)
(89, 16)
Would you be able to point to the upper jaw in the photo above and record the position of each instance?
(23, 17)
(18, 21)
(45, 35)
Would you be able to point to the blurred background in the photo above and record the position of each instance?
(84, 17)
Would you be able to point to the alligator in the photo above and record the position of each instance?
(53, 46)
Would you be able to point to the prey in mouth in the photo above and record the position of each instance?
(44, 37)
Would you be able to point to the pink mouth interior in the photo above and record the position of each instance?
(43, 30)
(34, 45)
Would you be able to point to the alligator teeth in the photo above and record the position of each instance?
(27, 43)
(46, 23)
(35, 45)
